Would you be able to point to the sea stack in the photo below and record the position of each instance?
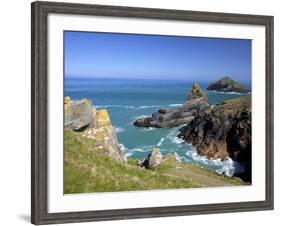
(226, 84)
(168, 118)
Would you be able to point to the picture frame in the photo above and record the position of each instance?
(40, 103)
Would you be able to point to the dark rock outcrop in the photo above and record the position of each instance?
(168, 118)
(223, 131)
(226, 84)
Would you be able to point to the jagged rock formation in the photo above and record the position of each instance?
(223, 131)
(77, 114)
(153, 159)
(226, 84)
(197, 101)
(82, 116)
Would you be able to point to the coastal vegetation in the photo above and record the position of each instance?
(95, 161)
(88, 168)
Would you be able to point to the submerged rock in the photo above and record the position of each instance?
(196, 101)
(153, 159)
(226, 84)
(223, 131)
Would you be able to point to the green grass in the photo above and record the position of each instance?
(237, 103)
(87, 169)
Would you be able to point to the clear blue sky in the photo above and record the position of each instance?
(106, 55)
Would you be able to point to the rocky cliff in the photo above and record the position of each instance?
(77, 114)
(196, 101)
(226, 84)
(223, 131)
(81, 116)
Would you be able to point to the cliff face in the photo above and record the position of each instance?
(196, 101)
(223, 131)
(105, 133)
(77, 114)
(81, 116)
(226, 84)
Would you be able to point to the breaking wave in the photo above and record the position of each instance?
(221, 92)
(175, 105)
(148, 106)
(160, 142)
(119, 129)
(114, 106)
(227, 167)
(127, 106)
(139, 116)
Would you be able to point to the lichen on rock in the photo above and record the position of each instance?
(196, 92)
(82, 116)
(77, 114)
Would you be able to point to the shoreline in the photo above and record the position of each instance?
(87, 169)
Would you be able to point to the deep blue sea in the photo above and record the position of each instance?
(127, 100)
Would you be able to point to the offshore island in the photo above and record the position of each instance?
(95, 160)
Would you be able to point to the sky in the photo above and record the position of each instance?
(133, 56)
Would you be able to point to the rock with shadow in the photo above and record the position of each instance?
(168, 118)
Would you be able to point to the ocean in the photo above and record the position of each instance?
(127, 100)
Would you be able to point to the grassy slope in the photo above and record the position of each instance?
(237, 103)
(86, 169)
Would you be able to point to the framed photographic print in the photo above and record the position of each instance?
(140, 112)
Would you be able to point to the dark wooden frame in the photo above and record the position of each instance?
(39, 12)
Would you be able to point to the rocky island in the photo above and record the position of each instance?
(95, 161)
(168, 118)
(226, 84)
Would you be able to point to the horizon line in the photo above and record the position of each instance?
(157, 79)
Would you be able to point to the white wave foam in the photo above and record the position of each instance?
(147, 129)
(227, 167)
(128, 154)
(148, 106)
(119, 129)
(230, 167)
(138, 150)
(175, 105)
(177, 157)
(139, 116)
(177, 140)
(160, 142)
(172, 136)
(142, 149)
(221, 92)
(114, 106)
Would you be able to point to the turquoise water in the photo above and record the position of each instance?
(127, 100)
